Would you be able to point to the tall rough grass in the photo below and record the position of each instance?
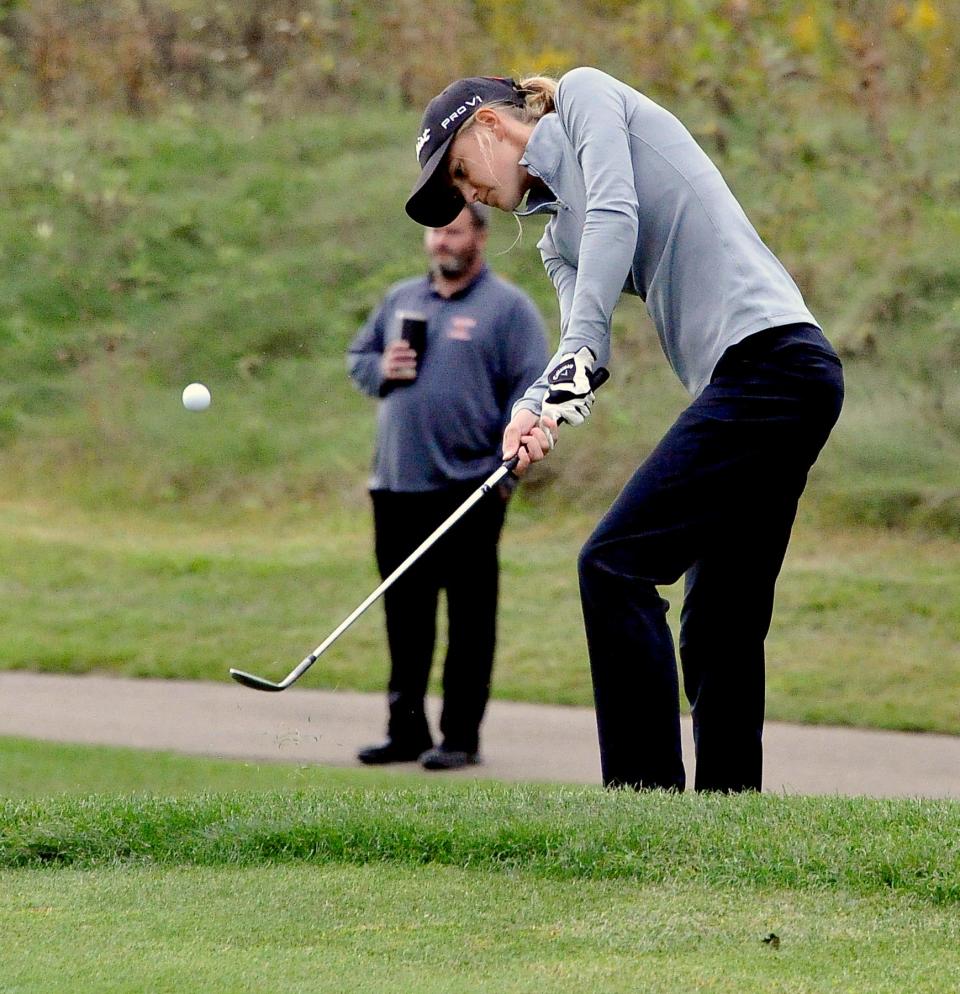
(865, 847)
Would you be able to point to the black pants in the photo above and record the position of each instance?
(716, 500)
(465, 564)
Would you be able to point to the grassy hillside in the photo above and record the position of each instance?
(140, 255)
(219, 243)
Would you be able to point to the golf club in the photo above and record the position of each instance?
(259, 683)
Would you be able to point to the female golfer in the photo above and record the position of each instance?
(634, 204)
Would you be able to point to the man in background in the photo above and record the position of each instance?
(447, 355)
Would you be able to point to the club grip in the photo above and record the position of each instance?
(598, 377)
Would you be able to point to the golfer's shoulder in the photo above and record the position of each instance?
(584, 82)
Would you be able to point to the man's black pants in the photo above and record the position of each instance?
(716, 500)
(465, 564)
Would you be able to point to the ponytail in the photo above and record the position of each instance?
(539, 92)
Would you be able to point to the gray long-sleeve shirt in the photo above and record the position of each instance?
(637, 206)
(485, 345)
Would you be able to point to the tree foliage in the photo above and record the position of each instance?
(141, 54)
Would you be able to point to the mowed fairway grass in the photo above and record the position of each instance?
(355, 881)
(388, 928)
(865, 632)
(193, 875)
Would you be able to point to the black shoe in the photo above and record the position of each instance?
(441, 758)
(391, 751)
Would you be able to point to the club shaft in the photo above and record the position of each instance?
(431, 539)
(259, 683)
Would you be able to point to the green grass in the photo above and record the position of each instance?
(217, 246)
(211, 244)
(865, 631)
(436, 929)
(147, 880)
(87, 807)
(908, 847)
(32, 769)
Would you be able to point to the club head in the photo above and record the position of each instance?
(254, 682)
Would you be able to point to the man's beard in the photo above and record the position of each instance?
(452, 266)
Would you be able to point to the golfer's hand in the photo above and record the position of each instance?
(399, 361)
(571, 383)
(528, 437)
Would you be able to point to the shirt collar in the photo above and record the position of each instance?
(541, 158)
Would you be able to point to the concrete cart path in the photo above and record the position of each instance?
(520, 741)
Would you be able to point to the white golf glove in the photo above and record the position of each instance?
(571, 385)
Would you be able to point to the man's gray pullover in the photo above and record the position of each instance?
(485, 345)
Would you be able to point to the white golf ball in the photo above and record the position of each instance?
(196, 397)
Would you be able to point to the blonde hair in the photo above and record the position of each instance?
(538, 94)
